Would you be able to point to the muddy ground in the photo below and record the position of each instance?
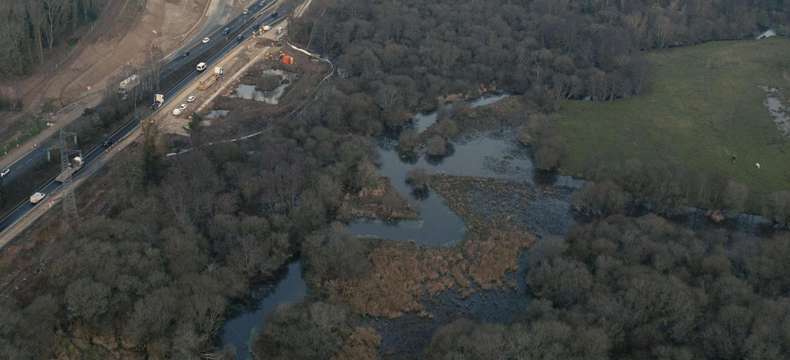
(245, 116)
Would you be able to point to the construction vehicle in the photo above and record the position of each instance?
(128, 84)
(74, 165)
(286, 59)
(37, 197)
(159, 99)
(210, 80)
(207, 82)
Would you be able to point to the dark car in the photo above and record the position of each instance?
(226, 31)
(240, 38)
(107, 143)
(274, 14)
(186, 54)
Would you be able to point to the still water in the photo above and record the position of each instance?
(240, 330)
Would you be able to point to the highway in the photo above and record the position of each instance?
(174, 76)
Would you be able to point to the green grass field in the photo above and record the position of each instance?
(701, 104)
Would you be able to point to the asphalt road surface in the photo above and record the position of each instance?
(175, 74)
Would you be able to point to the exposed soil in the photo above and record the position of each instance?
(249, 115)
(161, 28)
(128, 34)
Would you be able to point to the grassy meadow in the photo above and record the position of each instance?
(702, 104)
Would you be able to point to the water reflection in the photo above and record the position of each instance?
(250, 92)
(240, 330)
(493, 156)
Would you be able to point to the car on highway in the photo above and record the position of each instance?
(206, 40)
(240, 38)
(201, 66)
(226, 31)
(191, 98)
(4, 172)
(246, 11)
(37, 197)
(107, 143)
(185, 54)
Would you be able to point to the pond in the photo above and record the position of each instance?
(492, 155)
(495, 155)
(239, 331)
(250, 92)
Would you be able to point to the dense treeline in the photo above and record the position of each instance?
(627, 288)
(618, 288)
(398, 55)
(304, 331)
(664, 187)
(153, 270)
(31, 27)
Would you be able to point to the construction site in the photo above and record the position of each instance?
(262, 80)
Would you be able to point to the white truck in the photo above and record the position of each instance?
(37, 197)
(159, 99)
(74, 165)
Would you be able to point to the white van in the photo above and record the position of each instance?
(201, 66)
(37, 197)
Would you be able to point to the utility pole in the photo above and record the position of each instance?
(67, 149)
